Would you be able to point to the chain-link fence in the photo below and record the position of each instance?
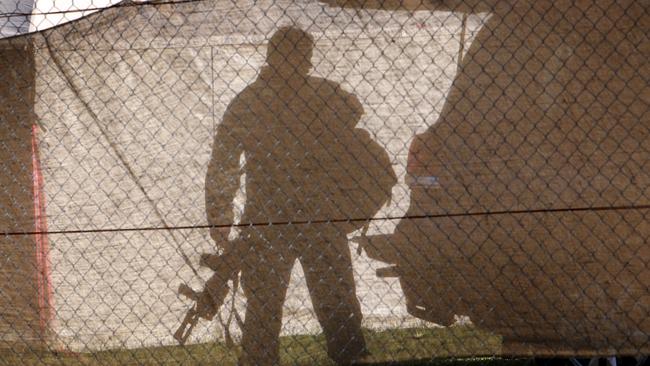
(314, 182)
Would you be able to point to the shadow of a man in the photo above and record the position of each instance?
(310, 174)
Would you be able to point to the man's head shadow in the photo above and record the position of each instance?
(310, 101)
(289, 53)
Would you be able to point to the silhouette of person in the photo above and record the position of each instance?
(308, 172)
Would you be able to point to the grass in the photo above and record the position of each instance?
(417, 346)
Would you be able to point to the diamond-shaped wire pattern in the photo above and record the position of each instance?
(323, 182)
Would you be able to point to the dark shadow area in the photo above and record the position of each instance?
(529, 203)
(304, 161)
(20, 322)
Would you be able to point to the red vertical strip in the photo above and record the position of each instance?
(43, 279)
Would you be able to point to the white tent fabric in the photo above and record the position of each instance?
(129, 114)
(23, 16)
(50, 13)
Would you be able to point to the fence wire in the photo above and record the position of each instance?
(323, 182)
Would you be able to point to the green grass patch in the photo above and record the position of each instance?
(418, 346)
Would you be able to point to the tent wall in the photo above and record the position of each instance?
(506, 116)
(130, 113)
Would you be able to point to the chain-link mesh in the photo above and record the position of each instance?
(326, 181)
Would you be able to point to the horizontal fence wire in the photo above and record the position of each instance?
(324, 182)
(331, 221)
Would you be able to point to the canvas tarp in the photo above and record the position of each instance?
(127, 102)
